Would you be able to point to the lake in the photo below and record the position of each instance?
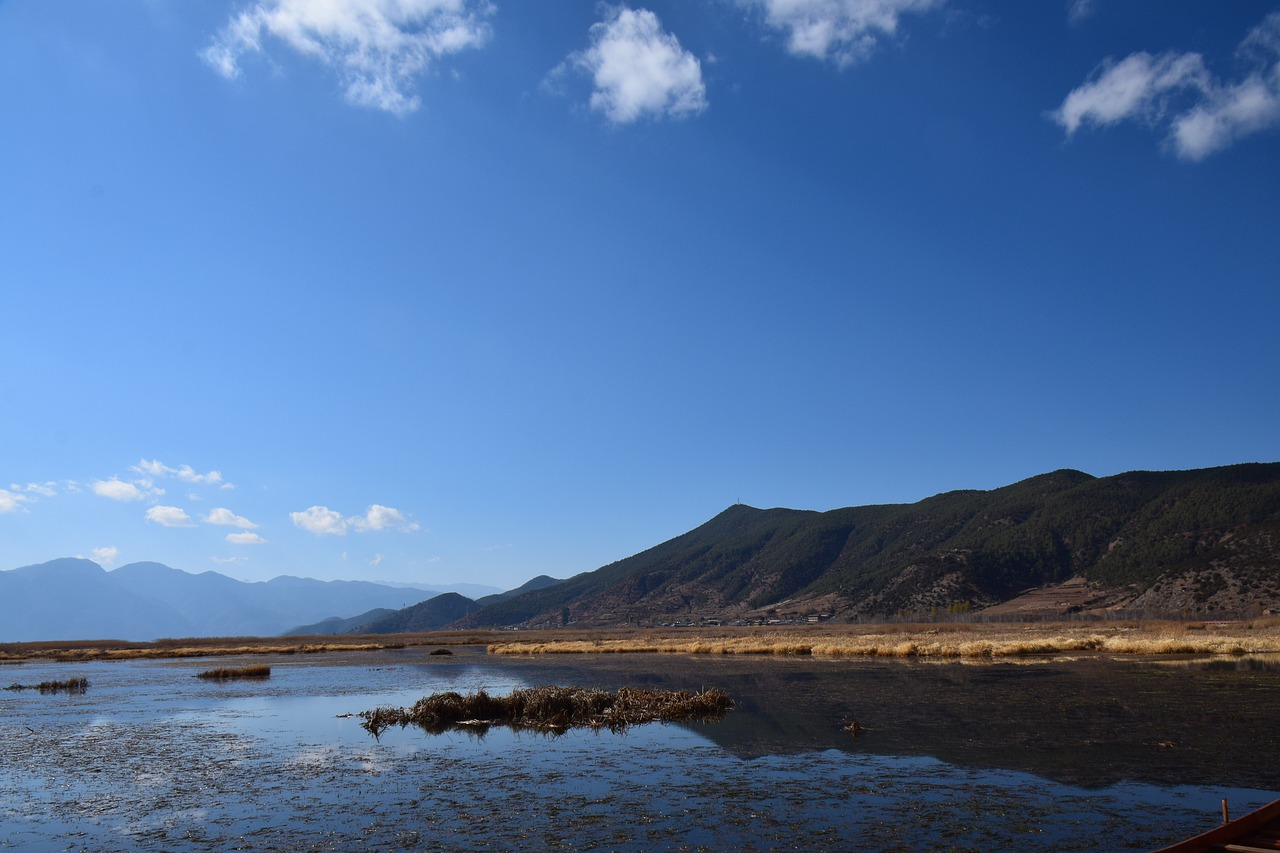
(1072, 754)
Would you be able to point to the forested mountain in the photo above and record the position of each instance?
(1174, 541)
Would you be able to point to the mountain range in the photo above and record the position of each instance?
(1159, 542)
(1169, 543)
(73, 599)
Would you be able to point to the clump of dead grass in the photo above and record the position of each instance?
(552, 709)
(71, 685)
(234, 673)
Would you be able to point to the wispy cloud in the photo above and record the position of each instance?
(155, 468)
(844, 31)
(638, 69)
(1079, 11)
(226, 561)
(323, 521)
(226, 517)
(46, 490)
(245, 539)
(376, 47)
(1201, 114)
(169, 516)
(106, 555)
(1137, 87)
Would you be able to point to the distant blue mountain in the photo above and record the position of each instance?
(75, 599)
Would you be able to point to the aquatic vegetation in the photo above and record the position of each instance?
(71, 685)
(552, 708)
(233, 673)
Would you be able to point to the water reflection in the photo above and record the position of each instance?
(1241, 663)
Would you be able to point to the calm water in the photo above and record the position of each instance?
(1068, 755)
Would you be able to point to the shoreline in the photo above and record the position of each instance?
(974, 641)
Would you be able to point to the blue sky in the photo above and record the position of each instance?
(450, 290)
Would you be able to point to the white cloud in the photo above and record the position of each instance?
(377, 560)
(382, 518)
(377, 47)
(224, 561)
(245, 539)
(639, 70)
(106, 555)
(226, 517)
(169, 516)
(1212, 114)
(845, 31)
(320, 520)
(119, 490)
(10, 502)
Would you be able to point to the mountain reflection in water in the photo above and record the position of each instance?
(1090, 754)
(1088, 722)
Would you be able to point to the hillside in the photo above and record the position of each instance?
(339, 624)
(1203, 541)
(429, 615)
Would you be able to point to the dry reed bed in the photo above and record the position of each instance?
(154, 651)
(551, 708)
(935, 643)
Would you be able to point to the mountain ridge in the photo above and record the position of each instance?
(1175, 542)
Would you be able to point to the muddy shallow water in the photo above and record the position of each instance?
(1093, 754)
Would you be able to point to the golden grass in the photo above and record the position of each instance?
(921, 641)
